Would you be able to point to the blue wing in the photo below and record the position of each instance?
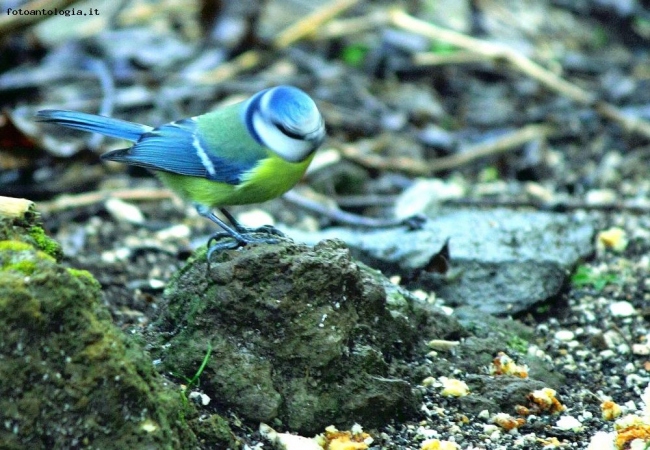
(178, 148)
(108, 126)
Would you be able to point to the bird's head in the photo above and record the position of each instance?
(286, 121)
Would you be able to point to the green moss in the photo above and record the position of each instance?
(588, 276)
(215, 430)
(84, 276)
(442, 48)
(518, 344)
(25, 267)
(45, 243)
(21, 257)
(58, 346)
(14, 246)
(19, 246)
(354, 54)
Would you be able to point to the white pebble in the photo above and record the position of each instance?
(569, 423)
(641, 349)
(174, 232)
(622, 309)
(200, 397)
(123, 211)
(564, 335)
(255, 218)
(286, 441)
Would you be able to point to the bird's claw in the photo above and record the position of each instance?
(264, 229)
(243, 239)
(235, 243)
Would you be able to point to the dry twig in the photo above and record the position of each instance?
(353, 25)
(503, 144)
(246, 61)
(508, 142)
(498, 52)
(15, 207)
(343, 217)
(311, 23)
(65, 202)
(294, 32)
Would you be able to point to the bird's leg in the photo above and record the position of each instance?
(239, 233)
(267, 229)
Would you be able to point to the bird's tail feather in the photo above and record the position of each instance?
(97, 124)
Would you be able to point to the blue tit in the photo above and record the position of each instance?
(248, 152)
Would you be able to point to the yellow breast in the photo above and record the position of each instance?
(270, 178)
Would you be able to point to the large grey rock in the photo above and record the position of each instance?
(502, 261)
(306, 336)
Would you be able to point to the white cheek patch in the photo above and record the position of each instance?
(293, 150)
(314, 122)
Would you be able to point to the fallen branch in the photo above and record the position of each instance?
(503, 144)
(65, 202)
(507, 142)
(311, 23)
(500, 52)
(294, 32)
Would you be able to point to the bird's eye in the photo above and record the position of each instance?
(288, 132)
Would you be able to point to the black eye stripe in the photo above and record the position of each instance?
(287, 132)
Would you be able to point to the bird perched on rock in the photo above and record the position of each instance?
(249, 152)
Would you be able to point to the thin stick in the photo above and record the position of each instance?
(353, 25)
(508, 142)
(503, 144)
(434, 59)
(310, 23)
(339, 216)
(15, 207)
(493, 51)
(64, 202)
(501, 52)
(294, 32)
(246, 61)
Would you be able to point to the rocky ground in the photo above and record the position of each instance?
(521, 136)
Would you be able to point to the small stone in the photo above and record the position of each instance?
(614, 238)
(255, 218)
(155, 283)
(123, 211)
(442, 345)
(641, 349)
(452, 387)
(610, 410)
(429, 381)
(425, 196)
(149, 426)
(564, 335)
(286, 441)
(601, 197)
(200, 397)
(174, 232)
(569, 423)
(622, 309)
(602, 441)
(436, 444)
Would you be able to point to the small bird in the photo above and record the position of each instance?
(248, 152)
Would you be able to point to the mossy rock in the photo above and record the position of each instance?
(304, 335)
(68, 377)
(20, 221)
